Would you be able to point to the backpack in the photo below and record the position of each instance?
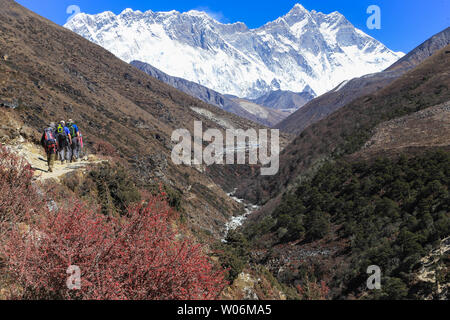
(73, 133)
(50, 139)
(60, 131)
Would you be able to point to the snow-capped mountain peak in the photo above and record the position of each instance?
(297, 9)
(300, 50)
(197, 13)
(129, 10)
(297, 12)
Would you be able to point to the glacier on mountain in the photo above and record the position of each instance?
(303, 50)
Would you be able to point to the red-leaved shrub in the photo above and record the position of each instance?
(137, 257)
(18, 197)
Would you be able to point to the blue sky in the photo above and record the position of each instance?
(404, 23)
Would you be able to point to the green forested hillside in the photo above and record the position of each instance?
(392, 212)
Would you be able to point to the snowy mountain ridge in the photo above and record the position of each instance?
(301, 51)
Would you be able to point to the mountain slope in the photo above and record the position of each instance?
(391, 213)
(347, 91)
(298, 51)
(416, 132)
(264, 116)
(285, 100)
(49, 73)
(346, 130)
(321, 107)
(368, 185)
(422, 52)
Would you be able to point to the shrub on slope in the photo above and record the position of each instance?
(139, 256)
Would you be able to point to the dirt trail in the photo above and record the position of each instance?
(38, 160)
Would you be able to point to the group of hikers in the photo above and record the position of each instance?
(64, 141)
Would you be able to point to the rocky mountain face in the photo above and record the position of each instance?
(301, 51)
(326, 104)
(241, 107)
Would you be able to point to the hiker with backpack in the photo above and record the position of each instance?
(75, 146)
(64, 141)
(50, 144)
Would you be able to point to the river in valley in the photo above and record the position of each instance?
(237, 221)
